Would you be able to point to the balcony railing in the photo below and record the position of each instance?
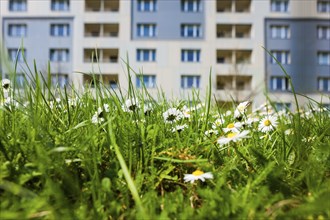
(101, 30)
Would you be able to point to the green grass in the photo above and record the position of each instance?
(55, 163)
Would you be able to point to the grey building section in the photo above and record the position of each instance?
(303, 46)
(168, 18)
(38, 42)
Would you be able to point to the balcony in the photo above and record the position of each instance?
(101, 30)
(234, 56)
(224, 56)
(101, 55)
(228, 6)
(242, 6)
(101, 5)
(108, 80)
(224, 6)
(233, 87)
(224, 31)
(242, 31)
(243, 56)
(234, 82)
(234, 31)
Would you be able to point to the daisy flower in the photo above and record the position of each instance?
(234, 137)
(268, 123)
(228, 113)
(98, 117)
(186, 112)
(210, 132)
(233, 127)
(250, 120)
(172, 115)
(131, 105)
(9, 103)
(5, 85)
(217, 123)
(6, 88)
(241, 109)
(147, 109)
(179, 128)
(197, 175)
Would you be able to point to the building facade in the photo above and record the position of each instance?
(174, 45)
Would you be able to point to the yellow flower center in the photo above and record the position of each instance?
(267, 122)
(231, 125)
(197, 173)
(231, 135)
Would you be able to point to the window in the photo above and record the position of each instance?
(148, 80)
(280, 83)
(280, 31)
(59, 80)
(323, 32)
(146, 55)
(60, 5)
(190, 5)
(60, 30)
(279, 5)
(59, 55)
(17, 30)
(283, 57)
(190, 55)
(15, 53)
(323, 58)
(190, 30)
(323, 6)
(147, 5)
(188, 82)
(17, 5)
(323, 84)
(146, 30)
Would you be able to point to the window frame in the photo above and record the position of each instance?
(279, 6)
(323, 58)
(148, 80)
(186, 56)
(142, 53)
(195, 7)
(60, 5)
(12, 28)
(280, 32)
(194, 32)
(284, 84)
(323, 6)
(57, 55)
(150, 28)
(59, 80)
(147, 5)
(60, 30)
(281, 55)
(14, 53)
(17, 5)
(323, 84)
(194, 84)
(323, 32)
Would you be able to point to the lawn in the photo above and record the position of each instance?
(125, 155)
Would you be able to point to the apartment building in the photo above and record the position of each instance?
(37, 32)
(175, 45)
(301, 43)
